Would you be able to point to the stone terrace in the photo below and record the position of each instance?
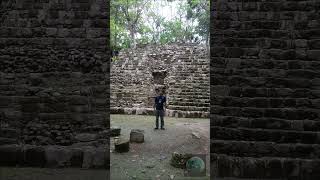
(54, 63)
(265, 62)
(187, 80)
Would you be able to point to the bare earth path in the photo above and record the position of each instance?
(150, 160)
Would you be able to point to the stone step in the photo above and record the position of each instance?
(189, 108)
(191, 85)
(190, 93)
(177, 88)
(55, 156)
(169, 112)
(179, 103)
(6, 141)
(263, 102)
(282, 113)
(265, 149)
(186, 72)
(265, 123)
(277, 135)
(172, 99)
(275, 92)
(265, 167)
(9, 133)
(195, 98)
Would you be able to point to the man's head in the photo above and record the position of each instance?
(161, 93)
(157, 92)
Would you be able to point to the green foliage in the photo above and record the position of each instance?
(140, 22)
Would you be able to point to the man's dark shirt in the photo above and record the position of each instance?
(159, 101)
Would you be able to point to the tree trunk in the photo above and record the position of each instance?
(133, 38)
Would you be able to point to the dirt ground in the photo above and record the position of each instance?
(151, 159)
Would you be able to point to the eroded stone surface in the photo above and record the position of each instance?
(137, 135)
(86, 137)
(55, 156)
(52, 78)
(182, 71)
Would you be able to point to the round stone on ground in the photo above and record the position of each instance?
(137, 135)
(122, 146)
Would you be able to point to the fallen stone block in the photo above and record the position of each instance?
(122, 146)
(115, 131)
(137, 135)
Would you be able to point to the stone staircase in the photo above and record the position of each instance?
(189, 85)
(188, 90)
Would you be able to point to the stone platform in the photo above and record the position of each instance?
(150, 111)
(85, 156)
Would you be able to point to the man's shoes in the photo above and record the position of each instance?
(163, 128)
(156, 128)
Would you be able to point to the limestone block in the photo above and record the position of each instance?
(137, 135)
(122, 146)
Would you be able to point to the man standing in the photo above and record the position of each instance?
(159, 107)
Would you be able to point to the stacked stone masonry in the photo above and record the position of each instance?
(54, 67)
(186, 80)
(265, 89)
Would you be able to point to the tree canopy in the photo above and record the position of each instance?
(140, 22)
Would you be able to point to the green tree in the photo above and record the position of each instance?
(199, 11)
(140, 22)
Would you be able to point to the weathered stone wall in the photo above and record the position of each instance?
(186, 81)
(265, 74)
(54, 67)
